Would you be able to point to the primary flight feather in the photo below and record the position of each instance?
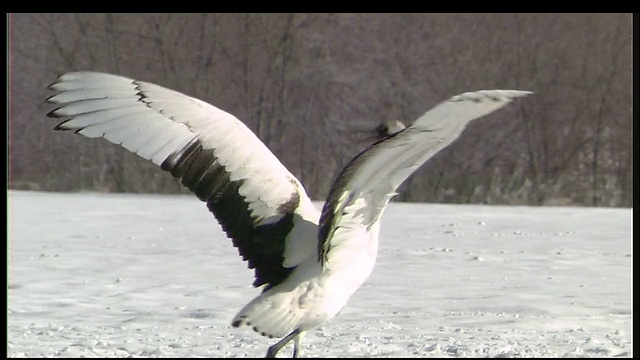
(307, 262)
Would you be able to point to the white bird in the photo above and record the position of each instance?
(307, 262)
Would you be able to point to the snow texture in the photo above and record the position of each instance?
(113, 275)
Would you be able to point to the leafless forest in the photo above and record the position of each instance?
(314, 87)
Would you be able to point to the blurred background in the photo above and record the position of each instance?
(314, 88)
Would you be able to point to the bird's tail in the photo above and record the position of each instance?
(271, 314)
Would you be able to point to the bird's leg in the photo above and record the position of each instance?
(296, 344)
(273, 349)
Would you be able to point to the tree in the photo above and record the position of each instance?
(314, 87)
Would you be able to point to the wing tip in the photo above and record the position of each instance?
(54, 113)
(62, 127)
(495, 95)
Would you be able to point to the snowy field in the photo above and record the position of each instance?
(112, 275)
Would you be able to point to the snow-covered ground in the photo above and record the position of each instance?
(153, 275)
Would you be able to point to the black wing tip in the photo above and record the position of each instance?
(48, 99)
(52, 86)
(53, 113)
(57, 81)
(61, 127)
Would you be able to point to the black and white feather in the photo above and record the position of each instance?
(307, 262)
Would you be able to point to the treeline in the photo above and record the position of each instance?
(314, 87)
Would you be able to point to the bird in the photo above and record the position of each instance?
(307, 262)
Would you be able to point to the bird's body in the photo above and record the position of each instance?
(307, 262)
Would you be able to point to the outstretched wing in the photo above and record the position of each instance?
(364, 187)
(257, 201)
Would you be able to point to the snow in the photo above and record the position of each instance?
(117, 275)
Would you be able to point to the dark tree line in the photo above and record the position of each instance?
(314, 87)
